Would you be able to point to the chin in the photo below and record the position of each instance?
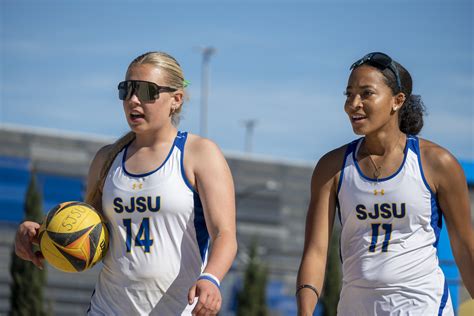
(359, 130)
(136, 128)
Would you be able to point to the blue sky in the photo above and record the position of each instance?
(283, 63)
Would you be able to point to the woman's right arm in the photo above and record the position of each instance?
(319, 223)
(27, 232)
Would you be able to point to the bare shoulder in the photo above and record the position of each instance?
(438, 164)
(202, 157)
(198, 147)
(334, 158)
(330, 164)
(436, 157)
(204, 162)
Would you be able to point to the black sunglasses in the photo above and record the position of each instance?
(144, 90)
(381, 61)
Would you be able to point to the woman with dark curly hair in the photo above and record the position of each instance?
(390, 194)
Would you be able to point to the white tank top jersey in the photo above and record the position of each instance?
(158, 239)
(389, 238)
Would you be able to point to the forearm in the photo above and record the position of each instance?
(311, 272)
(224, 249)
(466, 267)
(306, 302)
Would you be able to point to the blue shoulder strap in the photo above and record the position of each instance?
(413, 144)
(181, 140)
(351, 147)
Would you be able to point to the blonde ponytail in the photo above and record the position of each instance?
(94, 196)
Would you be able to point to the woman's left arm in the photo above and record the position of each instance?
(213, 181)
(451, 189)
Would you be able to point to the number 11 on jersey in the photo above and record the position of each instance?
(375, 235)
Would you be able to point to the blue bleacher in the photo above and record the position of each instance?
(14, 178)
(281, 303)
(448, 265)
(468, 167)
(57, 189)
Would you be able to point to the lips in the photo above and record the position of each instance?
(358, 117)
(135, 116)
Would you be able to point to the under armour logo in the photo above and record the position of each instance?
(382, 192)
(137, 186)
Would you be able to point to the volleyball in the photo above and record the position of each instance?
(73, 237)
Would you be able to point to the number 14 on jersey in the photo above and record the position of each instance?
(142, 238)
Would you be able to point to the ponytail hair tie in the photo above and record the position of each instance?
(186, 83)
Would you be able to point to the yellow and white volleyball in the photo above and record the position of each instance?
(73, 237)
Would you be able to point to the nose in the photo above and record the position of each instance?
(354, 102)
(134, 99)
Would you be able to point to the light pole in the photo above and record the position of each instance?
(206, 56)
(249, 128)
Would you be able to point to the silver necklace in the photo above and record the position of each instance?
(378, 168)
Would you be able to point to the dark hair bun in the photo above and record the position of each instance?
(411, 115)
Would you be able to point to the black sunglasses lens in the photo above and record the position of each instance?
(145, 91)
(381, 60)
(377, 59)
(361, 61)
(138, 91)
(124, 88)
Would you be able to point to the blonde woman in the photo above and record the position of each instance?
(164, 194)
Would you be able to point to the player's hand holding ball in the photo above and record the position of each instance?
(26, 236)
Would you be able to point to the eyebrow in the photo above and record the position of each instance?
(363, 87)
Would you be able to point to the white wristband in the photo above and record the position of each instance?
(208, 276)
